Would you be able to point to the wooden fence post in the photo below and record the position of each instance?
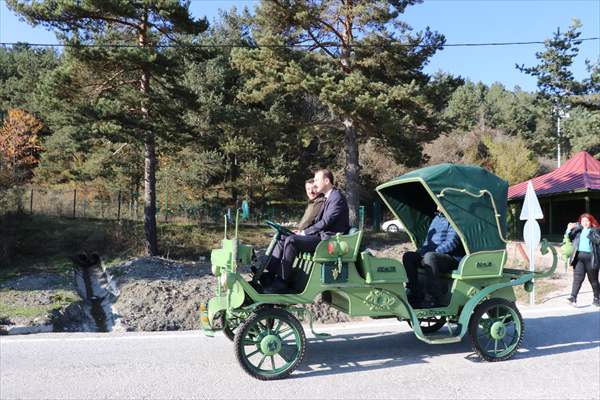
(74, 201)
(119, 207)
(167, 207)
(31, 203)
(84, 203)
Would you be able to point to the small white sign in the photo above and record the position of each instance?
(531, 235)
(531, 206)
(531, 212)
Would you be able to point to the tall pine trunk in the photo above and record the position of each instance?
(352, 169)
(150, 244)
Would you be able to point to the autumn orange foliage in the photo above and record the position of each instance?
(19, 147)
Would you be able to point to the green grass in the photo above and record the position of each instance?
(188, 241)
(11, 311)
(11, 304)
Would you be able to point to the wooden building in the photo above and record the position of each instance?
(564, 194)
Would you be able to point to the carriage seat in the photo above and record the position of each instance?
(304, 262)
(484, 264)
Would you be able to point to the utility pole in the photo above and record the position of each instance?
(558, 144)
(560, 114)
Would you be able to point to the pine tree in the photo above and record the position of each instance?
(359, 60)
(22, 68)
(264, 143)
(556, 84)
(555, 79)
(129, 93)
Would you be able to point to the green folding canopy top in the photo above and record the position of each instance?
(463, 192)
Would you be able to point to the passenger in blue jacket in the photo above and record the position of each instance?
(440, 252)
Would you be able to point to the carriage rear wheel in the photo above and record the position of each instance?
(496, 329)
(270, 344)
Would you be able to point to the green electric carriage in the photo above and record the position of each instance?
(479, 298)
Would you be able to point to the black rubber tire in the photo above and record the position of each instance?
(484, 308)
(430, 325)
(242, 330)
(229, 334)
(229, 328)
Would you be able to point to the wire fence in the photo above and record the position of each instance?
(124, 205)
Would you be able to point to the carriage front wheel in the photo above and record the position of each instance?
(270, 344)
(496, 329)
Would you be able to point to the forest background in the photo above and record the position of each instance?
(145, 100)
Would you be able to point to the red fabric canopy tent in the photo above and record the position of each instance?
(580, 173)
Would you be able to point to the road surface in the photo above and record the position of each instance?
(559, 359)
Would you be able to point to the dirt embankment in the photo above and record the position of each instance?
(156, 294)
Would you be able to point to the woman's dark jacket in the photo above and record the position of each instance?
(594, 236)
(312, 211)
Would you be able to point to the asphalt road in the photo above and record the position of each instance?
(559, 359)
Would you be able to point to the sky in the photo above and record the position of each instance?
(464, 21)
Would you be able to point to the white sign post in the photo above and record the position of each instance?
(531, 212)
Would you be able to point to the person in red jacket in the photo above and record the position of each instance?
(585, 236)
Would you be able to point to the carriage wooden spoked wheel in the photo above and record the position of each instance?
(270, 344)
(496, 329)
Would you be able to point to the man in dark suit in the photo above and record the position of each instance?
(332, 219)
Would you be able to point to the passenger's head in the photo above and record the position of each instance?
(586, 220)
(311, 190)
(323, 180)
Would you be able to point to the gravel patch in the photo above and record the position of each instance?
(34, 300)
(159, 294)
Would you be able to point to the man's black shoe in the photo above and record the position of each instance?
(414, 300)
(427, 302)
(256, 286)
(413, 296)
(277, 287)
(266, 279)
(424, 304)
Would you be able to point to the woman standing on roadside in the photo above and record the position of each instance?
(585, 236)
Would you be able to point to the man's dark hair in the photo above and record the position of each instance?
(327, 174)
(311, 180)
